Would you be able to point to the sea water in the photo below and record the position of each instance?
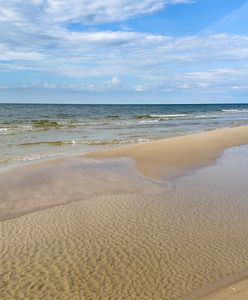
(30, 132)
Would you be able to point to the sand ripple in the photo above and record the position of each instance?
(115, 247)
(157, 245)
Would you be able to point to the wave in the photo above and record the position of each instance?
(160, 116)
(33, 157)
(46, 124)
(87, 142)
(64, 143)
(36, 157)
(51, 143)
(163, 117)
(114, 142)
(37, 125)
(14, 129)
(114, 117)
(243, 110)
(168, 116)
(148, 121)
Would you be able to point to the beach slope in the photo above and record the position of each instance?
(172, 156)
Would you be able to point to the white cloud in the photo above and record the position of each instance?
(20, 55)
(141, 88)
(239, 87)
(160, 60)
(115, 81)
(99, 11)
(34, 38)
(219, 75)
(83, 54)
(85, 11)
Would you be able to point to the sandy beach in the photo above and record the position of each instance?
(171, 157)
(123, 150)
(94, 228)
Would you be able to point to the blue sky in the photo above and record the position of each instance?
(126, 51)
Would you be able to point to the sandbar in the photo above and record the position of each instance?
(171, 157)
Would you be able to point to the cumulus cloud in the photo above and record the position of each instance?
(115, 81)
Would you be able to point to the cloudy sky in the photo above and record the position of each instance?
(124, 51)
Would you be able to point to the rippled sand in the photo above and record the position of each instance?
(156, 240)
(118, 247)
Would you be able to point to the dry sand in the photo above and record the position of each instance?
(170, 157)
(94, 229)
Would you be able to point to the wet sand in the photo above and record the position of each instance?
(234, 287)
(95, 229)
(171, 157)
(237, 290)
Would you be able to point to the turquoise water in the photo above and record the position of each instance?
(32, 132)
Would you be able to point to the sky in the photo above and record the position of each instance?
(124, 51)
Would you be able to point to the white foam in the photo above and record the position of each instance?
(235, 110)
(168, 116)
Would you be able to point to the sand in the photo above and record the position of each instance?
(172, 156)
(115, 247)
(38, 186)
(94, 229)
(234, 287)
(238, 290)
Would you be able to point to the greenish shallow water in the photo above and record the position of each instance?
(32, 132)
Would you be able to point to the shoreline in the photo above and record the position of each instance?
(223, 289)
(236, 291)
(107, 203)
(160, 160)
(126, 151)
(107, 149)
(167, 158)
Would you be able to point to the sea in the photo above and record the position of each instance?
(33, 132)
